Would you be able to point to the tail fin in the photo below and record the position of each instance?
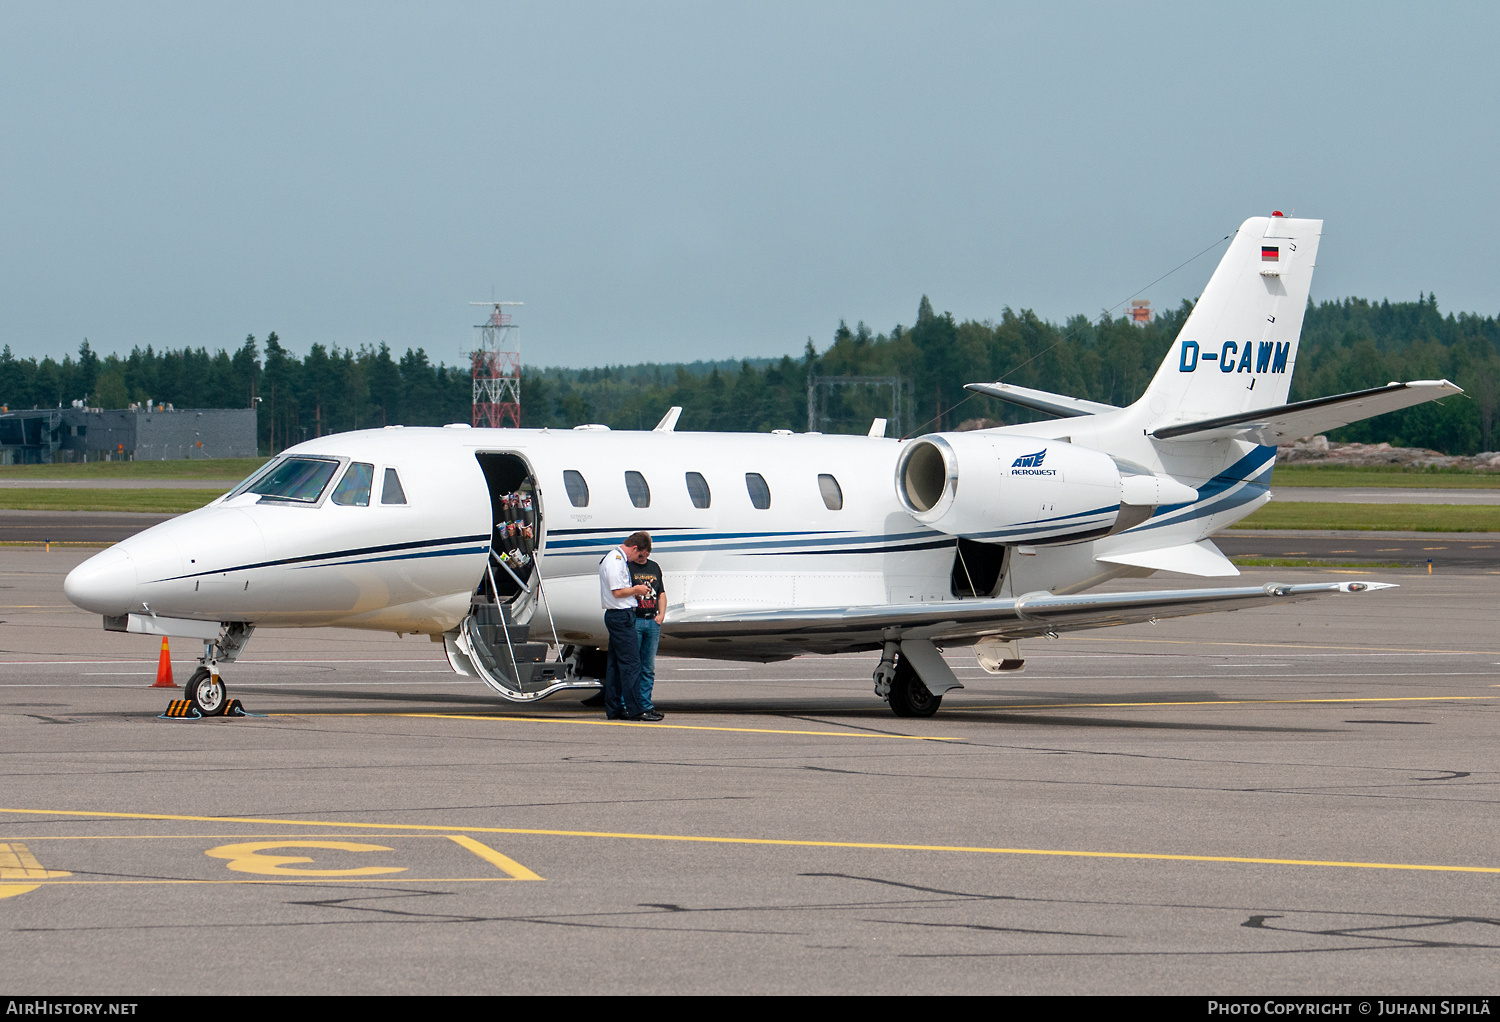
(1237, 350)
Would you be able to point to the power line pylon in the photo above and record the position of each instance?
(496, 365)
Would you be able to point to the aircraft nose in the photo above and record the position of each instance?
(104, 584)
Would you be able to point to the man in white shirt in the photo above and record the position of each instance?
(618, 596)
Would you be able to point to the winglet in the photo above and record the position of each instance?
(668, 422)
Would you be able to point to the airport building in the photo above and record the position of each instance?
(143, 433)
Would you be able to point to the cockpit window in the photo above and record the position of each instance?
(392, 493)
(354, 489)
(299, 479)
(250, 479)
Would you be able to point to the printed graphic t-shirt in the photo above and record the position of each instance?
(648, 574)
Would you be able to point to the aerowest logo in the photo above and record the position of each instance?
(1031, 465)
(1239, 356)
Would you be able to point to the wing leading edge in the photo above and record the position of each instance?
(1027, 616)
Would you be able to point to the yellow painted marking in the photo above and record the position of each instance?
(632, 723)
(11, 890)
(1222, 702)
(247, 858)
(488, 854)
(17, 863)
(762, 841)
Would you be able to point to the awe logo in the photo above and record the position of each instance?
(1031, 465)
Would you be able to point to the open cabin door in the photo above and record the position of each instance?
(508, 604)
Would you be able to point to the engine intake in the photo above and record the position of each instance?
(998, 488)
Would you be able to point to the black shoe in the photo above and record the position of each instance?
(649, 715)
(618, 716)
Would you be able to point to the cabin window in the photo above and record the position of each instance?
(698, 490)
(640, 493)
(297, 479)
(760, 493)
(578, 490)
(833, 497)
(391, 492)
(354, 489)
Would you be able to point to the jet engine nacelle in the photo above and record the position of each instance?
(997, 488)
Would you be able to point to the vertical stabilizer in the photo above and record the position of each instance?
(1238, 348)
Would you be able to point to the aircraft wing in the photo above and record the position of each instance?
(1027, 616)
(1040, 400)
(1304, 418)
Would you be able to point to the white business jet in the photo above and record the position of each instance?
(773, 545)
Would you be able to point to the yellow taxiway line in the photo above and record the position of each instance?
(1217, 702)
(771, 842)
(633, 723)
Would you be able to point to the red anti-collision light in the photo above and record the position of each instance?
(1278, 213)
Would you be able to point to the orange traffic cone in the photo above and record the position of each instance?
(164, 668)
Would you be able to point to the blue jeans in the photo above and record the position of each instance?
(622, 675)
(649, 634)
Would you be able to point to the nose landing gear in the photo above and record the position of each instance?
(205, 689)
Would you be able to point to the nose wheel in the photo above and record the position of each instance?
(206, 692)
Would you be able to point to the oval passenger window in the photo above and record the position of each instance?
(760, 493)
(640, 493)
(578, 490)
(833, 497)
(698, 490)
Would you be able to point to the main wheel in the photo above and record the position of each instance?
(909, 697)
(206, 692)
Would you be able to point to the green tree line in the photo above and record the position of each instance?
(1346, 345)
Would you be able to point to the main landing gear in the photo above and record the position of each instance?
(897, 683)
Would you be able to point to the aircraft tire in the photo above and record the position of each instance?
(909, 697)
(206, 692)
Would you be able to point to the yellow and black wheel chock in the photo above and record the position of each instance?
(183, 709)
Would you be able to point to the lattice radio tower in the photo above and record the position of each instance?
(497, 368)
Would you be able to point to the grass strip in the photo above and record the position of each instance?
(1382, 517)
(184, 468)
(1392, 477)
(1304, 562)
(146, 501)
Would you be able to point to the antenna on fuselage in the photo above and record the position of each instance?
(496, 367)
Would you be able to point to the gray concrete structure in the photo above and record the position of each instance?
(89, 434)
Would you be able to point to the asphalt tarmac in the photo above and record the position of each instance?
(1293, 799)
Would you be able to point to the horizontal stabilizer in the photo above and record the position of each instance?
(1299, 419)
(1202, 559)
(1040, 400)
(1027, 616)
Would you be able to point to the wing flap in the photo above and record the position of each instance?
(1027, 616)
(1286, 423)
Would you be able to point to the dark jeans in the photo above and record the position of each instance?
(622, 674)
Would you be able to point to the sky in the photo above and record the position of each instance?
(676, 181)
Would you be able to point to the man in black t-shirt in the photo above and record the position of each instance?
(649, 611)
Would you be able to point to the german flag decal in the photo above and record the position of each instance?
(1270, 253)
